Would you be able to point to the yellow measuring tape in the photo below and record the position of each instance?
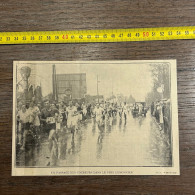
(115, 35)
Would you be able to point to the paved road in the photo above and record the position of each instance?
(138, 142)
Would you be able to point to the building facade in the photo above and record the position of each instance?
(71, 86)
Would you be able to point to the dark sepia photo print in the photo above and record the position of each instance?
(95, 118)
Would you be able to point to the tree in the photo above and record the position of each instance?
(131, 99)
(161, 79)
(161, 76)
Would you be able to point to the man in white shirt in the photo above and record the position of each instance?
(125, 111)
(84, 108)
(34, 114)
(71, 119)
(34, 120)
(24, 125)
(98, 111)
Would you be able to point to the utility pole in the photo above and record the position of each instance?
(112, 88)
(112, 92)
(98, 89)
(56, 87)
(53, 81)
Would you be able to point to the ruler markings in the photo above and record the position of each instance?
(114, 35)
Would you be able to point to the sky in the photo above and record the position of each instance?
(127, 78)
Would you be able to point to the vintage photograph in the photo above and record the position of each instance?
(95, 118)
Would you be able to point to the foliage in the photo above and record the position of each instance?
(161, 77)
(131, 100)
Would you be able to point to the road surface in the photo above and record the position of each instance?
(138, 142)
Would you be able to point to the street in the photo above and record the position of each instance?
(139, 142)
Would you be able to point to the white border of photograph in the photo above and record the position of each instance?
(53, 171)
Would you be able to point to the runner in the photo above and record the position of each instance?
(62, 111)
(48, 118)
(120, 110)
(61, 136)
(110, 114)
(140, 109)
(24, 125)
(34, 120)
(89, 110)
(84, 109)
(71, 113)
(78, 116)
(115, 110)
(98, 111)
(125, 111)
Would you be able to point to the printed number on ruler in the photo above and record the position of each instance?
(117, 35)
